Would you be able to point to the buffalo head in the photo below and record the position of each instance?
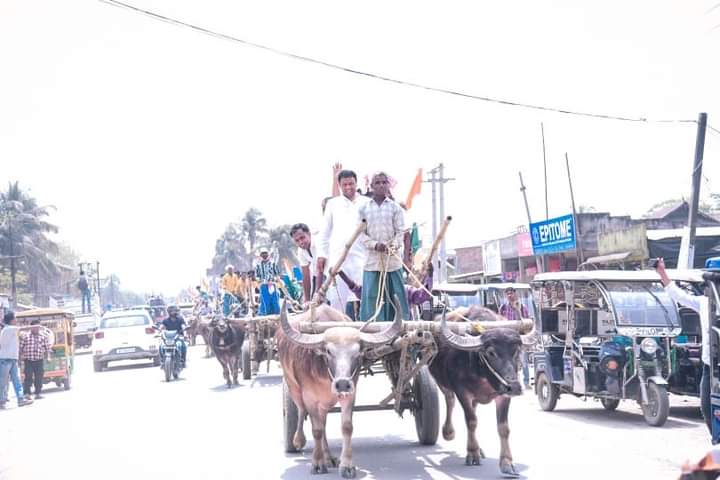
(498, 350)
(342, 348)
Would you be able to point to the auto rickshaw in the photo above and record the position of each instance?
(606, 335)
(60, 324)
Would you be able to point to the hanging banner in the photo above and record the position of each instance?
(554, 235)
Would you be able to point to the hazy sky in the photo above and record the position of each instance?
(149, 138)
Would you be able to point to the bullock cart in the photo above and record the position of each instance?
(413, 387)
(259, 344)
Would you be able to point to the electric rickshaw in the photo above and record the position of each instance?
(607, 335)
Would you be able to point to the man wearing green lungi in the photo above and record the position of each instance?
(383, 237)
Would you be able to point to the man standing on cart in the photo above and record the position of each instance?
(229, 285)
(383, 238)
(266, 272)
(339, 223)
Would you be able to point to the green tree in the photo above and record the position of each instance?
(280, 240)
(253, 225)
(230, 249)
(24, 241)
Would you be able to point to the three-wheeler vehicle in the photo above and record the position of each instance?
(608, 335)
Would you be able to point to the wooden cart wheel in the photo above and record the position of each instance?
(427, 411)
(245, 358)
(290, 419)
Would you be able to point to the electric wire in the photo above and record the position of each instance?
(223, 36)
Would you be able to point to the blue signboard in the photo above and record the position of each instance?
(554, 235)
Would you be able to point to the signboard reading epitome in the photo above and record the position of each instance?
(554, 235)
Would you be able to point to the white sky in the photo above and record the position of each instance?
(149, 138)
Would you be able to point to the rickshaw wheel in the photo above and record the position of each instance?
(427, 413)
(610, 404)
(658, 407)
(547, 393)
(290, 419)
(245, 358)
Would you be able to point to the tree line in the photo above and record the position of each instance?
(239, 243)
(32, 263)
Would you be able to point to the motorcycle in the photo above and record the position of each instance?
(170, 354)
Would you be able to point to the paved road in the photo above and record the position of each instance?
(128, 423)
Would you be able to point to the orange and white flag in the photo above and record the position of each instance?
(414, 189)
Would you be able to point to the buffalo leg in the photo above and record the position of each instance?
(474, 452)
(235, 368)
(330, 461)
(448, 430)
(299, 437)
(226, 371)
(502, 408)
(347, 469)
(318, 419)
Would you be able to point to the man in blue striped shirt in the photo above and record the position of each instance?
(266, 272)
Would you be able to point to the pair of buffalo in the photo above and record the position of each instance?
(322, 369)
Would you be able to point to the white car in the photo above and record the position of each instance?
(125, 335)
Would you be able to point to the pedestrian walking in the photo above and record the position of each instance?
(9, 350)
(34, 350)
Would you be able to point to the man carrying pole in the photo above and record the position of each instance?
(383, 238)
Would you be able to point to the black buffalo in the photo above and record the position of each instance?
(226, 343)
(479, 369)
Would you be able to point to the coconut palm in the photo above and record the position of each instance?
(23, 237)
(253, 225)
(280, 240)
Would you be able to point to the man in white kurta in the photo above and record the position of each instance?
(339, 224)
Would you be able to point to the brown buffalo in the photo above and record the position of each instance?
(479, 369)
(321, 370)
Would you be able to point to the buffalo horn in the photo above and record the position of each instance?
(387, 335)
(308, 340)
(461, 342)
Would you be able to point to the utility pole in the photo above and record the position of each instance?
(695, 192)
(437, 176)
(538, 259)
(547, 209)
(578, 247)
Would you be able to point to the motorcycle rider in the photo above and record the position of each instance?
(176, 322)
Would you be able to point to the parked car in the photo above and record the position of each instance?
(125, 335)
(84, 331)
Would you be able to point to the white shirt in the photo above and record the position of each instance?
(339, 224)
(385, 224)
(308, 258)
(9, 342)
(699, 303)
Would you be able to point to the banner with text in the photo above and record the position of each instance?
(554, 235)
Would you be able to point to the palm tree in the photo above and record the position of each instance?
(253, 225)
(280, 239)
(230, 249)
(23, 236)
